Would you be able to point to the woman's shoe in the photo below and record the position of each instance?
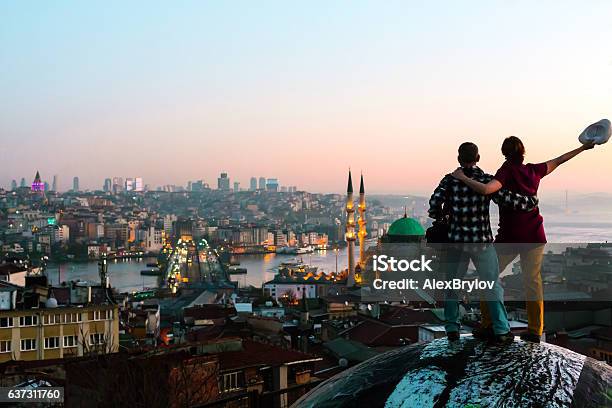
(530, 337)
(453, 336)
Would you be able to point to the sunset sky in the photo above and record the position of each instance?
(179, 91)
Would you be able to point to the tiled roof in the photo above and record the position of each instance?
(260, 354)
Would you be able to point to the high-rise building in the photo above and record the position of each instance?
(138, 184)
(14, 185)
(108, 185)
(37, 184)
(55, 183)
(46, 186)
(262, 183)
(253, 185)
(75, 184)
(129, 184)
(118, 184)
(23, 182)
(223, 182)
(236, 186)
(272, 184)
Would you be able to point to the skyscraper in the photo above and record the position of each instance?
(23, 182)
(55, 181)
(253, 185)
(236, 186)
(117, 184)
(272, 184)
(138, 184)
(129, 184)
(108, 185)
(75, 184)
(262, 183)
(223, 182)
(14, 185)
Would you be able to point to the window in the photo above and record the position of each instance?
(52, 319)
(102, 314)
(229, 382)
(52, 342)
(6, 322)
(96, 339)
(70, 341)
(28, 344)
(72, 318)
(25, 321)
(5, 346)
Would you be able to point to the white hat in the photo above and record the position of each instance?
(598, 132)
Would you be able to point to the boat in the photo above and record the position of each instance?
(151, 272)
(295, 268)
(237, 271)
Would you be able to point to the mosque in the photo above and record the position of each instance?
(404, 230)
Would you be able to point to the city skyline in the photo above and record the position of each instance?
(301, 92)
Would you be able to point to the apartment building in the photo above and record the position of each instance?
(50, 330)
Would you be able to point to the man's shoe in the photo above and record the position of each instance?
(501, 339)
(452, 336)
(483, 333)
(530, 337)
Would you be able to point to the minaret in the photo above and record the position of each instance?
(350, 232)
(362, 234)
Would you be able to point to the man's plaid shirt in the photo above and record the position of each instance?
(468, 211)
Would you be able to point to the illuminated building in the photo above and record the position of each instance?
(38, 185)
(362, 234)
(350, 231)
(138, 184)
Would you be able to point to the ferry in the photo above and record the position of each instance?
(151, 272)
(295, 250)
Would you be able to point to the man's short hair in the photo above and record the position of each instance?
(468, 153)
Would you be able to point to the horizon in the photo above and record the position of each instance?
(299, 93)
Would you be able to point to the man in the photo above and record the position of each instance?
(467, 215)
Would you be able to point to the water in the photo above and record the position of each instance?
(262, 268)
(124, 273)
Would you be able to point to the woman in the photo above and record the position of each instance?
(520, 227)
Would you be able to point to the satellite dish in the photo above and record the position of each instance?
(598, 132)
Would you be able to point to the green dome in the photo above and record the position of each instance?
(406, 227)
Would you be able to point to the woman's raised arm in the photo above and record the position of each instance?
(552, 164)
